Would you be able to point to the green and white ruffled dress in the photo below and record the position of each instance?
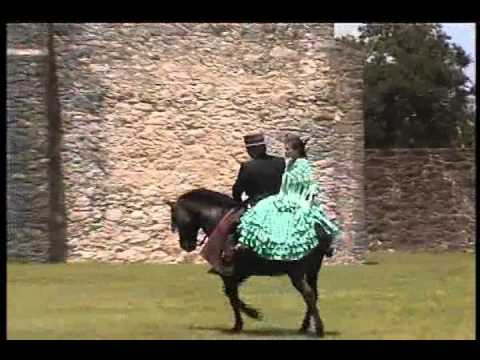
(282, 226)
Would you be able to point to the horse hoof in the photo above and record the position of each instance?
(235, 330)
(259, 316)
(254, 314)
(320, 333)
(303, 330)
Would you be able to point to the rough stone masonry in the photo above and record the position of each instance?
(420, 198)
(150, 111)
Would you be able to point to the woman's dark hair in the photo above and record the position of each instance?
(297, 144)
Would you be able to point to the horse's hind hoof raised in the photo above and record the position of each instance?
(257, 315)
(253, 313)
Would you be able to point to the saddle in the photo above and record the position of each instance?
(222, 242)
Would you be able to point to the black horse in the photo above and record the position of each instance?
(203, 209)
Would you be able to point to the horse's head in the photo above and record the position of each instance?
(183, 221)
(195, 210)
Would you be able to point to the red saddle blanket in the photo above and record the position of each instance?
(215, 244)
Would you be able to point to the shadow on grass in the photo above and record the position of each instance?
(264, 332)
(371, 263)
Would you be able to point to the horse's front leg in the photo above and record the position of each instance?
(231, 290)
(305, 322)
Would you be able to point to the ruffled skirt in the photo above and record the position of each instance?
(279, 228)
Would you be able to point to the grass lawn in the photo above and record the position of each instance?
(399, 296)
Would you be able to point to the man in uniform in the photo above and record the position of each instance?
(257, 178)
(261, 176)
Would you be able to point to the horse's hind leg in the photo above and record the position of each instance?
(313, 268)
(300, 283)
(231, 290)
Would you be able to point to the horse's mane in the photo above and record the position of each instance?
(208, 196)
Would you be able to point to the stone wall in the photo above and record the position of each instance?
(150, 111)
(420, 198)
(27, 143)
(349, 155)
(153, 110)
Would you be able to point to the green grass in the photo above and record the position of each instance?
(403, 296)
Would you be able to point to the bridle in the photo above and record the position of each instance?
(201, 242)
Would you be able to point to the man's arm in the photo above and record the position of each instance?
(239, 186)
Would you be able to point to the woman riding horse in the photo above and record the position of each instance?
(284, 226)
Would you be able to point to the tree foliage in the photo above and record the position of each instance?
(416, 91)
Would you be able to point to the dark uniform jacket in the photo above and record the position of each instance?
(259, 178)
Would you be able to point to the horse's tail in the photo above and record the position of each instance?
(173, 224)
(314, 260)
